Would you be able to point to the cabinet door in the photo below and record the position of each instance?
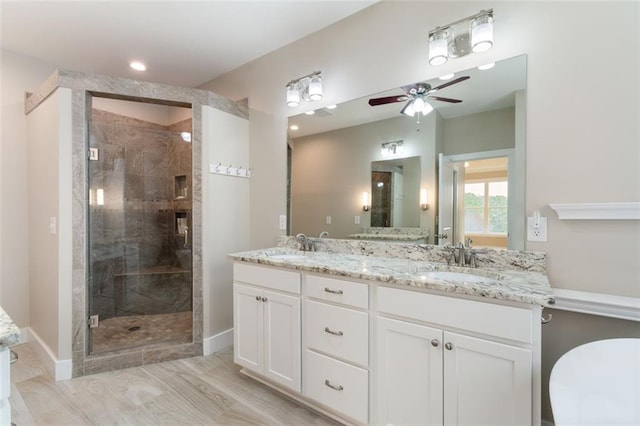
(486, 382)
(248, 331)
(282, 339)
(409, 374)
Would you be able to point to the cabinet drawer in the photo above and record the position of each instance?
(339, 386)
(487, 318)
(337, 331)
(276, 279)
(338, 291)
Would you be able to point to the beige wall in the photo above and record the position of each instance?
(331, 170)
(50, 244)
(485, 131)
(19, 74)
(225, 139)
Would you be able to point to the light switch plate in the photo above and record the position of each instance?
(356, 220)
(538, 234)
(328, 220)
(53, 225)
(283, 222)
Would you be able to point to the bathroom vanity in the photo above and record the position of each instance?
(378, 340)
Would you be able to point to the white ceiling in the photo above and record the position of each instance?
(184, 43)
(484, 91)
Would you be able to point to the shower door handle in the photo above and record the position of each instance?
(186, 236)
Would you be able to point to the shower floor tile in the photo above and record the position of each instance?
(140, 330)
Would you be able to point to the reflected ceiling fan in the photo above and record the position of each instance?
(417, 95)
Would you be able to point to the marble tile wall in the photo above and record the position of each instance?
(132, 239)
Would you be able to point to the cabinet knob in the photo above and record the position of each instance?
(448, 346)
(258, 298)
(264, 299)
(435, 342)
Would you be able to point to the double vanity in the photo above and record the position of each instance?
(375, 333)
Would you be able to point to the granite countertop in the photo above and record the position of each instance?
(510, 285)
(9, 332)
(388, 237)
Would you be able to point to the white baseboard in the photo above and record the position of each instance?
(59, 369)
(219, 341)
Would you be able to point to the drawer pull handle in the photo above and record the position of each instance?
(448, 346)
(328, 290)
(328, 384)
(335, 333)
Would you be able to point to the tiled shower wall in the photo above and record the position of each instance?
(138, 262)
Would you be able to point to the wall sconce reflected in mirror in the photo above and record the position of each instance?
(424, 204)
(365, 201)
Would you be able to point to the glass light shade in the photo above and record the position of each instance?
(481, 33)
(409, 109)
(315, 88)
(423, 196)
(293, 95)
(438, 48)
(365, 201)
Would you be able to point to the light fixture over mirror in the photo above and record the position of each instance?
(307, 88)
(471, 34)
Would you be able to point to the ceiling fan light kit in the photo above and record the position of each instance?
(471, 34)
(307, 88)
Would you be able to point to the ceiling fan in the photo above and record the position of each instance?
(417, 95)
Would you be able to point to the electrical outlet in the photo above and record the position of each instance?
(283, 222)
(328, 220)
(537, 233)
(356, 220)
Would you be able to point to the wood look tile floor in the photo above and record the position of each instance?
(205, 390)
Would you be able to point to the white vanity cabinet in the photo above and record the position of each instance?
(266, 318)
(336, 339)
(451, 361)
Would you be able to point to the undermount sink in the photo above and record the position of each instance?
(287, 256)
(455, 276)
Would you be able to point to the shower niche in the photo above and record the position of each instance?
(140, 271)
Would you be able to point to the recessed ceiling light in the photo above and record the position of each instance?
(310, 112)
(446, 76)
(487, 66)
(293, 127)
(138, 66)
(332, 107)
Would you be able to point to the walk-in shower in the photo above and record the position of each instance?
(139, 225)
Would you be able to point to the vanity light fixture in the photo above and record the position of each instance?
(392, 148)
(365, 201)
(424, 205)
(471, 34)
(307, 88)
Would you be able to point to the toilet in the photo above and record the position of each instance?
(597, 383)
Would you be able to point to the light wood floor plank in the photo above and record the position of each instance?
(194, 391)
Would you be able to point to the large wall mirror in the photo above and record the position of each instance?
(468, 157)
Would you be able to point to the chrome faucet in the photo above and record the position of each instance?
(323, 234)
(306, 243)
(461, 256)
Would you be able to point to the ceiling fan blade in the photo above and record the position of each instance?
(451, 100)
(387, 100)
(449, 83)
